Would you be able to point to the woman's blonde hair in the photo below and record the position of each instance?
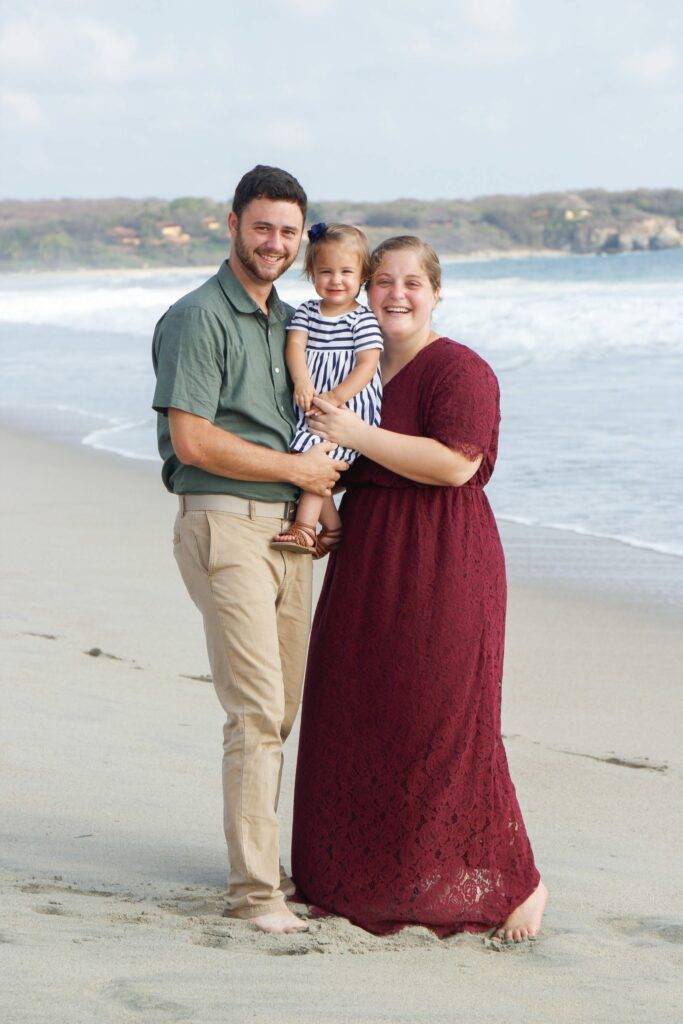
(427, 255)
(341, 233)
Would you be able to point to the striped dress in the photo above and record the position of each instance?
(333, 342)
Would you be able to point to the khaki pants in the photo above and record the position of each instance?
(256, 605)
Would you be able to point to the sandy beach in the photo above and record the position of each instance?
(112, 859)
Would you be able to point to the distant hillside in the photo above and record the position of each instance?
(70, 233)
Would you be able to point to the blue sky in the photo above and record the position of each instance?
(361, 100)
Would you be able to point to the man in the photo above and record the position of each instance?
(225, 420)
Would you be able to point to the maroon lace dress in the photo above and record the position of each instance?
(404, 811)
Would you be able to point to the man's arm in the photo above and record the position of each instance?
(198, 442)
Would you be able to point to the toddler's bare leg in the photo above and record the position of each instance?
(309, 508)
(308, 513)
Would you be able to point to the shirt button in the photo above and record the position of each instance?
(277, 369)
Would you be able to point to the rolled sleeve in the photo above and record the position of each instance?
(189, 362)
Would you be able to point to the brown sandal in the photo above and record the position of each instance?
(299, 531)
(327, 541)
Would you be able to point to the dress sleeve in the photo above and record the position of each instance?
(462, 410)
(300, 320)
(366, 332)
(189, 362)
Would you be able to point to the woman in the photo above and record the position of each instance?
(404, 809)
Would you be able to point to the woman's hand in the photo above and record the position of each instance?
(303, 393)
(331, 397)
(337, 424)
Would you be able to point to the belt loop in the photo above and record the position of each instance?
(252, 509)
(181, 501)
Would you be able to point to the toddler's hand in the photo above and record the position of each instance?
(303, 393)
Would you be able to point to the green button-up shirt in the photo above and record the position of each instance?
(217, 355)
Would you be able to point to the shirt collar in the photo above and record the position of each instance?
(236, 294)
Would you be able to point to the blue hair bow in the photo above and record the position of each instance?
(317, 231)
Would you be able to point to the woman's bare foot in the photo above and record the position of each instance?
(279, 922)
(287, 886)
(525, 920)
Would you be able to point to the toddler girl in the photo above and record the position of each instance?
(333, 349)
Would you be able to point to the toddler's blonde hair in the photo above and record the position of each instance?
(343, 233)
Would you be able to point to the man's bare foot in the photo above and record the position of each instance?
(525, 920)
(279, 922)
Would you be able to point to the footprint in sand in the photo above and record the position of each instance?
(193, 902)
(45, 887)
(130, 993)
(663, 928)
(53, 909)
(239, 937)
(213, 940)
(292, 950)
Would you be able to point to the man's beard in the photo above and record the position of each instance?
(256, 269)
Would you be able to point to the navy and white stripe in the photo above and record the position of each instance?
(333, 342)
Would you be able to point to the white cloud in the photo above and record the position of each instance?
(76, 50)
(313, 7)
(473, 33)
(20, 109)
(495, 16)
(21, 46)
(111, 55)
(288, 133)
(651, 66)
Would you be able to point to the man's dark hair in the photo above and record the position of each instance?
(263, 182)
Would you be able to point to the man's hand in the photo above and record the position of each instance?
(315, 472)
(303, 393)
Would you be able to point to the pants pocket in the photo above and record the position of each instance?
(200, 524)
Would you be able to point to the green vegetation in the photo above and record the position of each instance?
(188, 231)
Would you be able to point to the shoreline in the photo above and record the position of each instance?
(478, 256)
(446, 258)
(623, 572)
(113, 863)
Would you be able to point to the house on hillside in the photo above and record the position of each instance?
(124, 236)
(579, 214)
(174, 233)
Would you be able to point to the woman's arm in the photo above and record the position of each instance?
(417, 458)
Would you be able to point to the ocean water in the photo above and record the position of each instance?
(588, 350)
